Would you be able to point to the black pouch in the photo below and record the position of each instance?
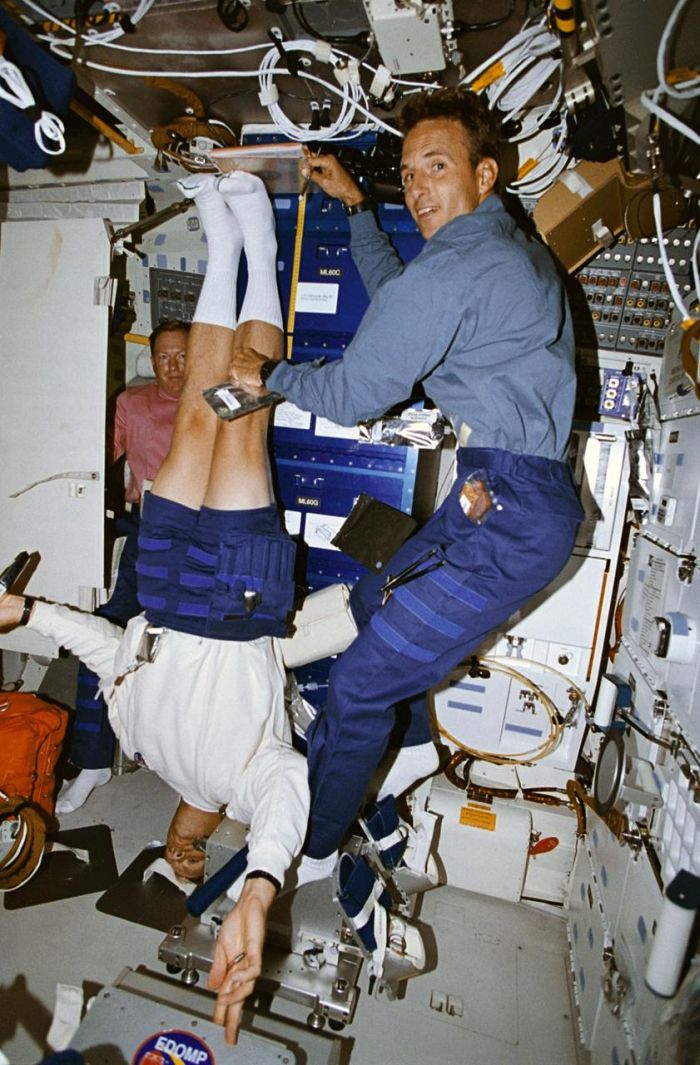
(373, 531)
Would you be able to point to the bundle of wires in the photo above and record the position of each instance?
(683, 88)
(91, 34)
(354, 115)
(347, 86)
(510, 79)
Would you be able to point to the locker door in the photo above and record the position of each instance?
(53, 344)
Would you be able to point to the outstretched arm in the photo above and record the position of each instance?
(93, 640)
(11, 610)
(238, 956)
(273, 797)
(373, 253)
(331, 176)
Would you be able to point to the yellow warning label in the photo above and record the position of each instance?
(494, 72)
(526, 167)
(681, 74)
(477, 816)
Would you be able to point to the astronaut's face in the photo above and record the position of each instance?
(440, 182)
(168, 361)
(187, 862)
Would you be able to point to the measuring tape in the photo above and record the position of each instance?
(101, 19)
(296, 262)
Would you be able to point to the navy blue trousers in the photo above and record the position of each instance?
(428, 626)
(92, 741)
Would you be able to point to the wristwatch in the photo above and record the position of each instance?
(357, 208)
(266, 369)
(260, 874)
(29, 601)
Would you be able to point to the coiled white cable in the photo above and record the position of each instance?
(650, 101)
(522, 41)
(555, 729)
(48, 128)
(353, 97)
(509, 79)
(694, 264)
(90, 35)
(348, 88)
(650, 98)
(668, 272)
(690, 88)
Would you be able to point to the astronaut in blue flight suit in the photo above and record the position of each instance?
(481, 320)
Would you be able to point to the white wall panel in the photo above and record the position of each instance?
(53, 339)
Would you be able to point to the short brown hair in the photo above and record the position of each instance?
(471, 110)
(170, 325)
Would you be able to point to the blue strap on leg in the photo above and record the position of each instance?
(385, 833)
(359, 892)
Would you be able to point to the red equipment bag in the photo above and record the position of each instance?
(31, 734)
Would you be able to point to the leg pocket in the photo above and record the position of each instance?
(253, 585)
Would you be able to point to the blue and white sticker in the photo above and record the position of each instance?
(173, 1047)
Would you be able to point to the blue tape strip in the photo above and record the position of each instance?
(153, 543)
(91, 703)
(192, 610)
(459, 591)
(524, 729)
(422, 611)
(201, 556)
(152, 602)
(395, 640)
(471, 707)
(144, 570)
(469, 686)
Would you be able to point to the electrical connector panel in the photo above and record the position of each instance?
(409, 36)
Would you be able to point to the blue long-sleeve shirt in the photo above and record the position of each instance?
(479, 317)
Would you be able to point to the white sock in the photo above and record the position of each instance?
(75, 793)
(310, 869)
(248, 201)
(217, 300)
(411, 764)
(420, 838)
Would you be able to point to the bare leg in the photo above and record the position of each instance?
(184, 475)
(240, 471)
(220, 464)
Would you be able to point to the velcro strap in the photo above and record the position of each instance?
(362, 917)
(397, 836)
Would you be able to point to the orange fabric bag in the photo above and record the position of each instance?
(31, 735)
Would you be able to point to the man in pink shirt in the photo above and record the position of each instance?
(143, 427)
(143, 423)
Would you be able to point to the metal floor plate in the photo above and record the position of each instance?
(62, 875)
